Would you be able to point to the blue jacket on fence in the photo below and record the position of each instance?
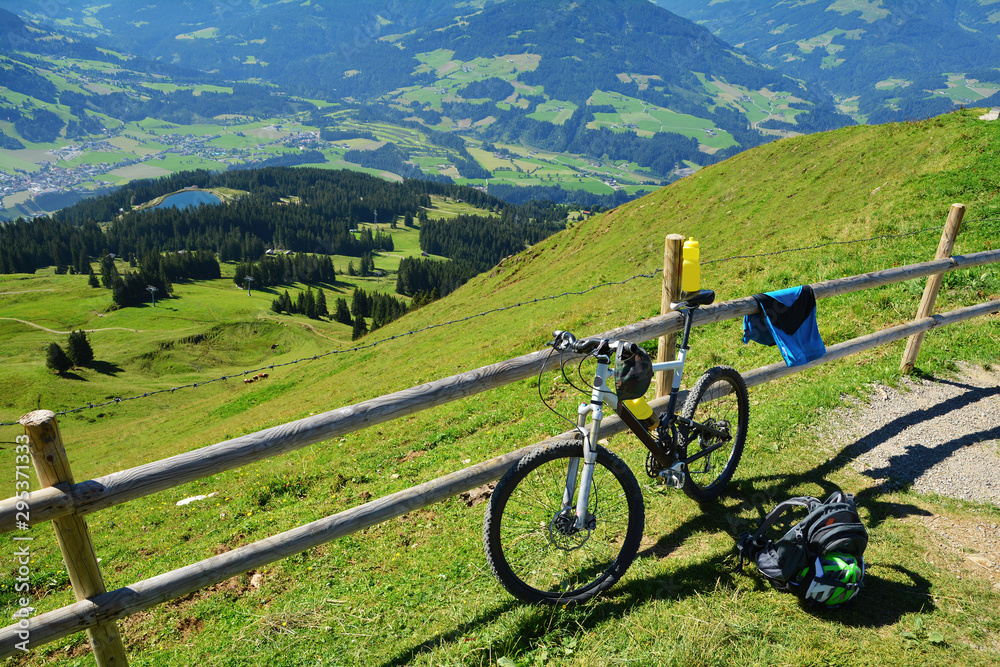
(788, 320)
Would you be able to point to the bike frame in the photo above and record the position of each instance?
(601, 395)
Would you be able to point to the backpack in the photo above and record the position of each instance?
(820, 558)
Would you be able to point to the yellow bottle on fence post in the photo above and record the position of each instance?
(691, 269)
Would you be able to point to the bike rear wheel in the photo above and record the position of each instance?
(719, 400)
(531, 542)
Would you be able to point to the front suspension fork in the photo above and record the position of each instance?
(589, 460)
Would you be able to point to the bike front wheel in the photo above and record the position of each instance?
(533, 543)
(718, 400)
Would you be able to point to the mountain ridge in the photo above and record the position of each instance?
(884, 60)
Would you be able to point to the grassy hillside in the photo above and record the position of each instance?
(416, 590)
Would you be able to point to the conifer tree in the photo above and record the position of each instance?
(360, 328)
(311, 304)
(360, 306)
(92, 280)
(341, 313)
(57, 360)
(109, 272)
(78, 348)
(321, 308)
(83, 263)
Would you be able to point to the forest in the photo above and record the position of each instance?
(483, 241)
(329, 205)
(274, 239)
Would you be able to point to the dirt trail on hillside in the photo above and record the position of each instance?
(39, 326)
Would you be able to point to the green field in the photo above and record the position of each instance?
(554, 111)
(962, 91)
(9, 163)
(453, 75)
(97, 157)
(757, 105)
(647, 119)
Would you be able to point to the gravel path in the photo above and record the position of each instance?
(937, 436)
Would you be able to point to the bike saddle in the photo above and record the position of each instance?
(702, 297)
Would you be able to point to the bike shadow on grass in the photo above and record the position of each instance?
(883, 602)
(899, 592)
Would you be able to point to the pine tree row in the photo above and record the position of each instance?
(307, 303)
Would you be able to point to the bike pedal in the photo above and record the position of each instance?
(673, 477)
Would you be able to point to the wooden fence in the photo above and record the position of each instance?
(66, 503)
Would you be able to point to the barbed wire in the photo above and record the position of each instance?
(651, 274)
(965, 227)
(357, 348)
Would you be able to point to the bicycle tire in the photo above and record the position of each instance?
(526, 550)
(701, 481)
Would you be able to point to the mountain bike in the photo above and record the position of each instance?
(565, 522)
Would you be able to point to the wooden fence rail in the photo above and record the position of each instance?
(65, 499)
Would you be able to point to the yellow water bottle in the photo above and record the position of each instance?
(691, 270)
(641, 410)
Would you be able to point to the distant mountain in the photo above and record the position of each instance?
(237, 39)
(625, 58)
(602, 98)
(623, 69)
(883, 59)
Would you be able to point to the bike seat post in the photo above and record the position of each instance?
(688, 314)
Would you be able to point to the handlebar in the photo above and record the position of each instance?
(565, 341)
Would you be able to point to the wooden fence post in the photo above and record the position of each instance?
(52, 465)
(926, 307)
(670, 293)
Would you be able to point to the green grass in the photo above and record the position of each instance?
(416, 590)
(961, 91)
(184, 163)
(9, 164)
(97, 157)
(554, 111)
(649, 119)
